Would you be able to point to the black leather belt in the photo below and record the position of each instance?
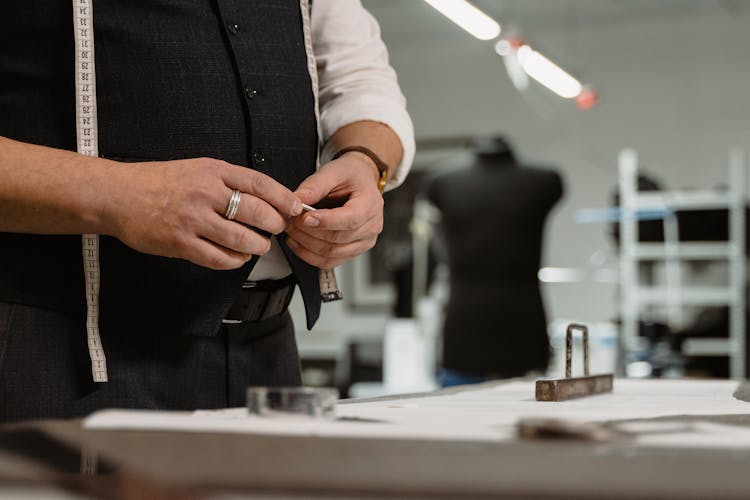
(261, 300)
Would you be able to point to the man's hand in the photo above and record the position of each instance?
(327, 237)
(176, 209)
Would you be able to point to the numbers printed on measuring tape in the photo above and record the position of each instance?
(87, 136)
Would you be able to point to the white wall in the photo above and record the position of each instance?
(673, 87)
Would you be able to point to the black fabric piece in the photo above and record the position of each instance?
(308, 279)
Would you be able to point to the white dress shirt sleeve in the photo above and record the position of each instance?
(356, 82)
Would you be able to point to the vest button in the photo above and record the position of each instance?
(250, 93)
(233, 28)
(259, 158)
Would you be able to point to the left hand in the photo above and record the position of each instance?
(327, 237)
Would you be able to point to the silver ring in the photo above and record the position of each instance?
(233, 205)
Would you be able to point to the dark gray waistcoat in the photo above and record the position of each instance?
(226, 79)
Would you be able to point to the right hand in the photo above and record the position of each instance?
(176, 209)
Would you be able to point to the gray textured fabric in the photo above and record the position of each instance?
(45, 370)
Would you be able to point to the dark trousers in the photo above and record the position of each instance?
(45, 371)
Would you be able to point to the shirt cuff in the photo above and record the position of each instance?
(375, 109)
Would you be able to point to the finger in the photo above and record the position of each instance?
(317, 186)
(256, 212)
(331, 250)
(343, 254)
(264, 187)
(207, 254)
(356, 212)
(235, 237)
(302, 233)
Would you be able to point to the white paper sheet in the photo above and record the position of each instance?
(484, 414)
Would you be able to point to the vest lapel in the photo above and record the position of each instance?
(308, 281)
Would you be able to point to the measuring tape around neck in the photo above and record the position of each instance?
(88, 144)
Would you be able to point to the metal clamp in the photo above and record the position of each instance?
(574, 387)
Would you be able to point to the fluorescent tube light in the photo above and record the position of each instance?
(548, 73)
(560, 275)
(468, 17)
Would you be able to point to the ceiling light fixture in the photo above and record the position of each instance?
(548, 73)
(468, 17)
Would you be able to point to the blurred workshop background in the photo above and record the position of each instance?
(637, 113)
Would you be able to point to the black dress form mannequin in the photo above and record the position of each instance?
(493, 219)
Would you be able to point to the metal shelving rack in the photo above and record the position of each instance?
(673, 295)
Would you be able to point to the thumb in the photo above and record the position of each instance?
(314, 188)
